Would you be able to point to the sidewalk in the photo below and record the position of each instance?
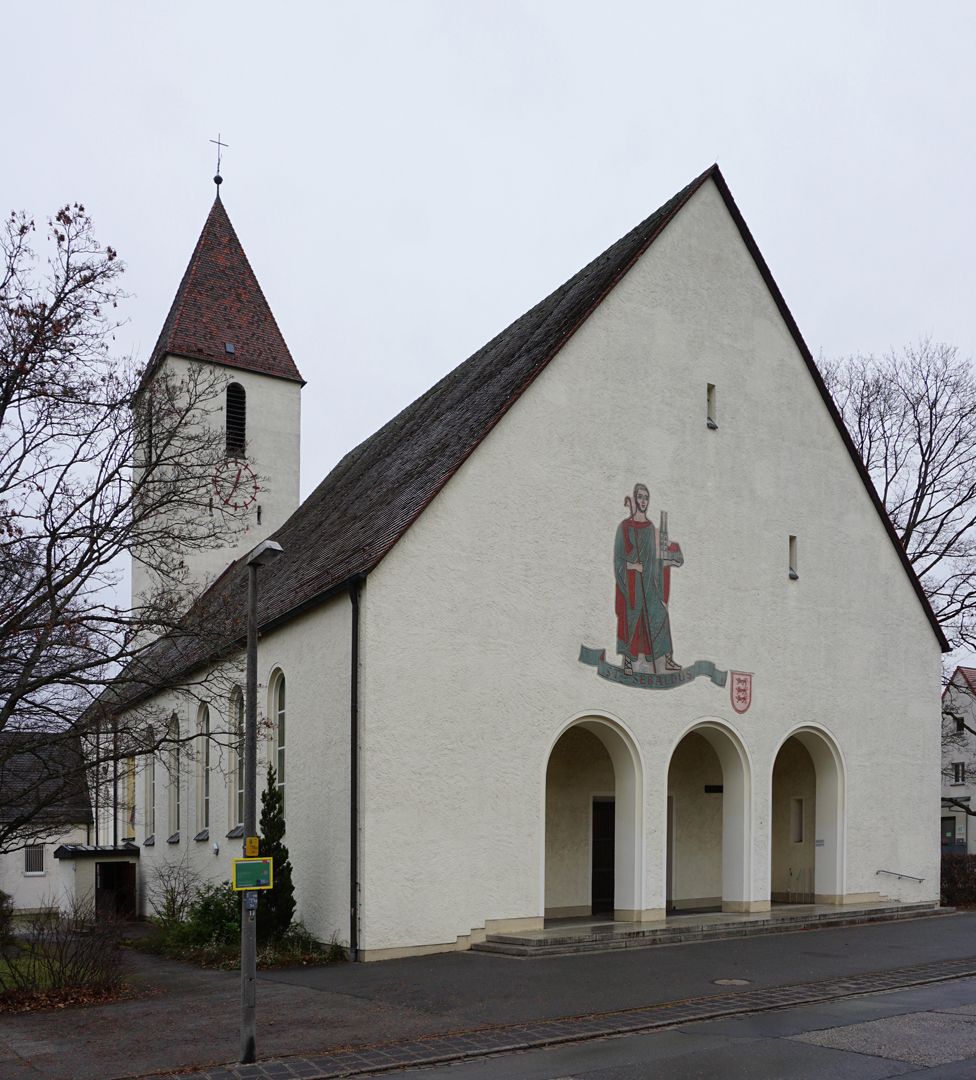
(186, 1018)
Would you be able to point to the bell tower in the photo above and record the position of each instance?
(221, 319)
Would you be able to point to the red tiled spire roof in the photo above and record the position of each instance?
(220, 302)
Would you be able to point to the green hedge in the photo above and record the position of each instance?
(959, 880)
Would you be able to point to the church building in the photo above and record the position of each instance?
(610, 621)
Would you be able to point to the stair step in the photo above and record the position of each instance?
(647, 937)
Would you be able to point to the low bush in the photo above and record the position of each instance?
(63, 950)
(210, 934)
(214, 917)
(959, 880)
(6, 918)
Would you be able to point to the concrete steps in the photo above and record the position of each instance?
(567, 940)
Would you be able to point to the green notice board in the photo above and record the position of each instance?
(253, 874)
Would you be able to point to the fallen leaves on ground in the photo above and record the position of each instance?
(16, 1001)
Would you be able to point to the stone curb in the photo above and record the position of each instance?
(484, 1042)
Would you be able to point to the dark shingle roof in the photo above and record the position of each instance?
(359, 511)
(42, 779)
(219, 301)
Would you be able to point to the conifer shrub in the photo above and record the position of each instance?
(276, 906)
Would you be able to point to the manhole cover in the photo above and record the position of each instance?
(732, 982)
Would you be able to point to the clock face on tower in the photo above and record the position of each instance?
(235, 484)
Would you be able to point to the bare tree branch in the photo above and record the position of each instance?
(95, 468)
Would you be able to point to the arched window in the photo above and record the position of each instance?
(236, 410)
(203, 814)
(174, 778)
(151, 796)
(237, 802)
(279, 728)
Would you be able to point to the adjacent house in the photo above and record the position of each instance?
(959, 762)
(44, 805)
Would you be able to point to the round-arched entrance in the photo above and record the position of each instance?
(807, 821)
(709, 845)
(593, 836)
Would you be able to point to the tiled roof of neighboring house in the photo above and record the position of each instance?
(220, 303)
(360, 510)
(969, 677)
(42, 779)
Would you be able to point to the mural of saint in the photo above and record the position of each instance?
(642, 560)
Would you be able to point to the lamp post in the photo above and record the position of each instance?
(266, 552)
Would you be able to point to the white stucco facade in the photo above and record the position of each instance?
(484, 741)
(480, 610)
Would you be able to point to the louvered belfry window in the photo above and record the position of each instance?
(236, 420)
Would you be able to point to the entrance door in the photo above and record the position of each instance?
(603, 856)
(115, 889)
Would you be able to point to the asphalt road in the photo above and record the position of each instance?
(925, 1032)
(183, 1018)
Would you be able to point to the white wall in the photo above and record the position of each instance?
(33, 891)
(472, 625)
(313, 652)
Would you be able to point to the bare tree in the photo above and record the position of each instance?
(96, 463)
(912, 416)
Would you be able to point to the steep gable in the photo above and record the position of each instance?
(220, 302)
(360, 510)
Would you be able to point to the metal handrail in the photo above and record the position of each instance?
(894, 873)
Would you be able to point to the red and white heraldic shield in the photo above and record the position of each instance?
(740, 690)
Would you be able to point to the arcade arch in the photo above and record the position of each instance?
(807, 822)
(709, 842)
(593, 833)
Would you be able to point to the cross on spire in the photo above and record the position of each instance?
(218, 179)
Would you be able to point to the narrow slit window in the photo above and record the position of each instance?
(236, 420)
(796, 820)
(794, 576)
(711, 417)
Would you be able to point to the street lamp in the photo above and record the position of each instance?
(264, 554)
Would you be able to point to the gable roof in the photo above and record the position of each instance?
(42, 780)
(369, 500)
(968, 675)
(219, 301)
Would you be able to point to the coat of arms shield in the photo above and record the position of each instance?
(740, 690)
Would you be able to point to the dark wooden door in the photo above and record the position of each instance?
(603, 855)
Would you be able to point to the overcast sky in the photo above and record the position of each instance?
(409, 177)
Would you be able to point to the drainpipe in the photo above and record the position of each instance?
(355, 589)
